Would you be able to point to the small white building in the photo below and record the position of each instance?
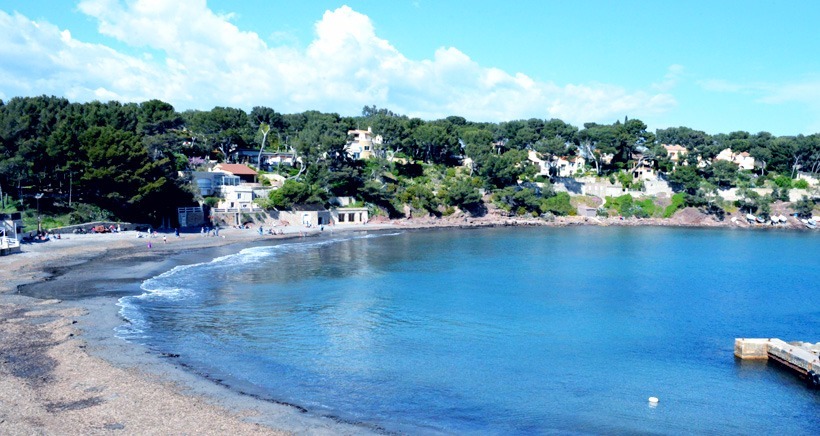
(349, 215)
(743, 160)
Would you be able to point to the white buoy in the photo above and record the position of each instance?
(653, 400)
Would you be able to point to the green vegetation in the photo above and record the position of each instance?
(626, 206)
(123, 161)
(678, 201)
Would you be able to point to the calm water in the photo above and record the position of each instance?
(501, 331)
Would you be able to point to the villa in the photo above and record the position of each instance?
(675, 152)
(743, 160)
(361, 146)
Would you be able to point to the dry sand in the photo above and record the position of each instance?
(63, 372)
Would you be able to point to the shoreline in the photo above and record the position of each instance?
(70, 374)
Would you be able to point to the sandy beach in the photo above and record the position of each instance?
(62, 371)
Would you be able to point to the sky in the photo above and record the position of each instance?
(717, 66)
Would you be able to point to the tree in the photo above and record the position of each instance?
(749, 199)
(293, 192)
(722, 173)
(687, 179)
(264, 129)
(685, 136)
(804, 207)
(463, 194)
(712, 201)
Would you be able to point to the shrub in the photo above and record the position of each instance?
(783, 181)
(801, 184)
(678, 201)
(559, 204)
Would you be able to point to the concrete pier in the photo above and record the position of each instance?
(798, 356)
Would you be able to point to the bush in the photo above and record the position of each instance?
(804, 207)
(678, 201)
(559, 204)
(626, 206)
(801, 184)
(783, 182)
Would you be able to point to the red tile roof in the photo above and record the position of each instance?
(236, 169)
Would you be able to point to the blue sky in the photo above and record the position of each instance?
(717, 66)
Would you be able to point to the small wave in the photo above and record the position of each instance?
(176, 283)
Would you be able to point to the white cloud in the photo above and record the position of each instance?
(673, 76)
(200, 59)
(805, 90)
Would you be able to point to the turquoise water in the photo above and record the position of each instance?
(504, 331)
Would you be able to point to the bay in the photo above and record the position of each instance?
(503, 331)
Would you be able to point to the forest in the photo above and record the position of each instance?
(129, 161)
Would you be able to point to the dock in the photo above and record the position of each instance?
(800, 357)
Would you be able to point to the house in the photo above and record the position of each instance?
(743, 160)
(543, 167)
(349, 215)
(281, 158)
(643, 168)
(243, 172)
(568, 166)
(362, 144)
(675, 152)
(565, 166)
(236, 187)
(308, 215)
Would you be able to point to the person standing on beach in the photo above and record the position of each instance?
(164, 239)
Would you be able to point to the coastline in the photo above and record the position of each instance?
(63, 371)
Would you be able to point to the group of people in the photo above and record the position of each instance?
(270, 231)
(209, 231)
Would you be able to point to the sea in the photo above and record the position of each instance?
(503, 330)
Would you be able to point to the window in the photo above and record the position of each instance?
(350, 217)
(341, 217)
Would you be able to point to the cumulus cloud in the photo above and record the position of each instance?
(194, 58)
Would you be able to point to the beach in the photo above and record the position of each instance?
(64, 372)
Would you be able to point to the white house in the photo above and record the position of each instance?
(675, 152)
(568, 166)
(565, 166)
(743, 160)
(361, 145)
